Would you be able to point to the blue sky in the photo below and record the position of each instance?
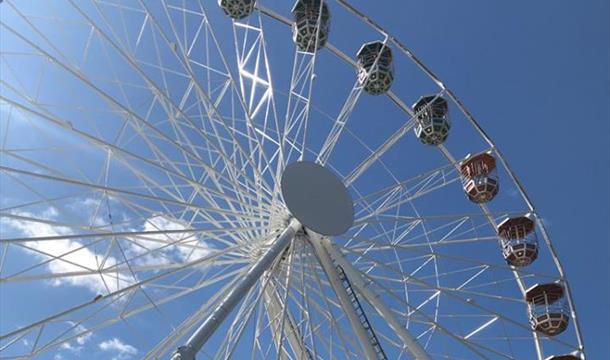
(535, 75)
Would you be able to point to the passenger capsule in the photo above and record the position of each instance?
(572, 356)
(237, 9)
(479, 178)
(375, 68)
(433, 124)
(305, 27)
(547, 308)
(518, 240)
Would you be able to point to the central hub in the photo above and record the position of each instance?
(317, 198)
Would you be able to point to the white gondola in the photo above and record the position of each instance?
(479, 178)
(547, 307)
(432, 120)
(237, 9)
(518, 240)
(375, 67)
(305, 27)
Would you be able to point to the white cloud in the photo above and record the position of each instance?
(115, 345)
(187, 246)
(69, 347)
(80, 340)
(96, 209)
(73, 257)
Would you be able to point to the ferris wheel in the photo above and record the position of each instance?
(247, 179)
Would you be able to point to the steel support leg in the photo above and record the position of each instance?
(294, 336)
(411, 344)
(333, 277)
(224, 308)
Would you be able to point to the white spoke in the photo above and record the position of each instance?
(145, 202)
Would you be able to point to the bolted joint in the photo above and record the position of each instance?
(185, 352)
(236, 294)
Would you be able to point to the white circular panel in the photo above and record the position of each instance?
(317, 198)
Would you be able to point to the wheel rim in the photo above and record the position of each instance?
(162, 150)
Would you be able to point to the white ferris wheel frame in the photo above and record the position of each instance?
(295, 123)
